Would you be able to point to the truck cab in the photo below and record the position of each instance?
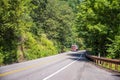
(74, 48)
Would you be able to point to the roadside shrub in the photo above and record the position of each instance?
(40, 47)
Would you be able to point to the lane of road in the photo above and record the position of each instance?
(66, 66)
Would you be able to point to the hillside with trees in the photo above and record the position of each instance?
(31, 29)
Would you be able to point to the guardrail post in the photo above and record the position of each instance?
(99, 62)
(110, 65)
(96, 61)
(102, 62)
(116, 67)
(106, 64)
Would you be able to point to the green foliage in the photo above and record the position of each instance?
(1, 57)
(98, 23)
(36, 48)
(10, 57)
(58, 23)
(114, 48)
(48, 46)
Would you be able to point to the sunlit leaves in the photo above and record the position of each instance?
(98, 20)
(114, 48)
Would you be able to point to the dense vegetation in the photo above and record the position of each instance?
(31, 29)
(98, 22)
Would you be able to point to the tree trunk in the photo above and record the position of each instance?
(21, 54)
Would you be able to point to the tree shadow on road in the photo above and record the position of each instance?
(78, 57)
(74, 54)
(118, 75)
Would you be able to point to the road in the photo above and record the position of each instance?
(65, 66)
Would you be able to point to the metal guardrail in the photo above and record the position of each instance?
(112, 64)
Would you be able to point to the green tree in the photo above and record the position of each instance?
(98, 23)
(15, 20)
(61, 18)
(31, 29)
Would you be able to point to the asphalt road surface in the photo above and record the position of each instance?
(65, 66)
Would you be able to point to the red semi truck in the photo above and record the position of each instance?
(74, 48)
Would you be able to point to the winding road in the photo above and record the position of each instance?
(64, 66)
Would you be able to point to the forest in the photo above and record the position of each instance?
(31, 29)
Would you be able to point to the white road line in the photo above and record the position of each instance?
(61, 69)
